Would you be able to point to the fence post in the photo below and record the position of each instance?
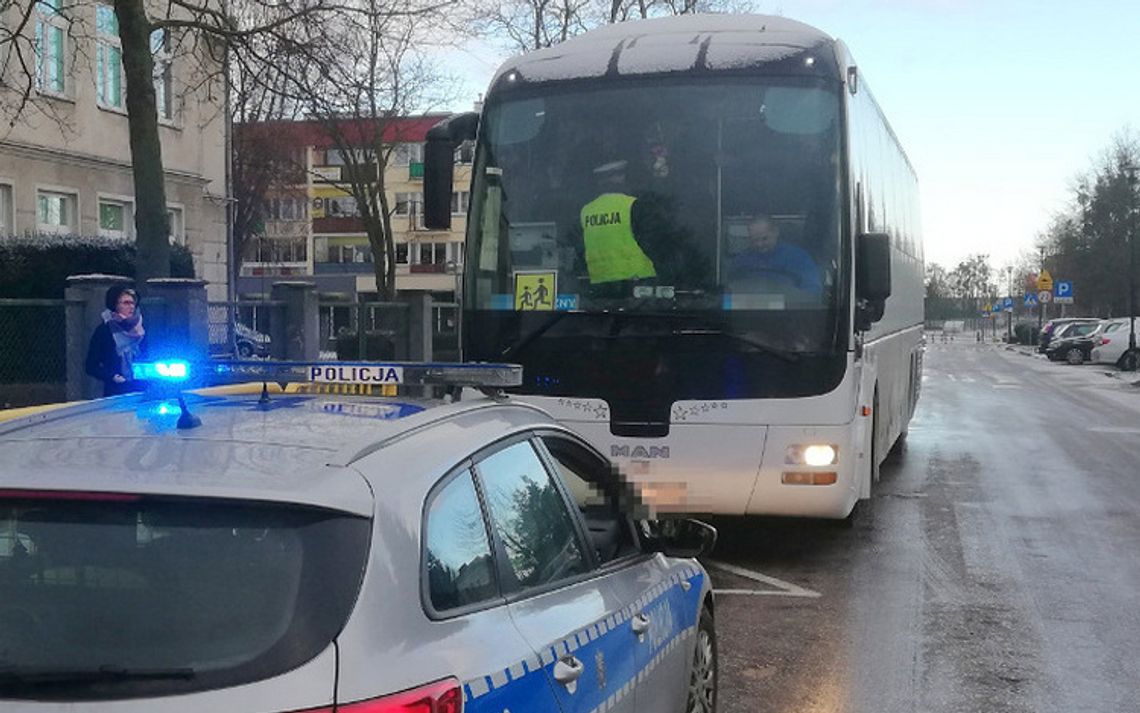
(419, 326)
(301, 316)
(183, 328)
(85, 295)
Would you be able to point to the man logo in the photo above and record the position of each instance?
(640, 452)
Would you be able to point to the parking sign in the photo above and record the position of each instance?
(1063, 292)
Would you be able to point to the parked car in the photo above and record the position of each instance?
(249, 342)
(334, 553)
(1073, 342)
(1111, 344)
(1050, 329)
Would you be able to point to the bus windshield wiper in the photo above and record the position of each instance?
(34, 676)
(511, 349)
(785, 354)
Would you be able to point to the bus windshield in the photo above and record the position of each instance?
(663, 225)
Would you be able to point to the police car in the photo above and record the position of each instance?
(317, 552)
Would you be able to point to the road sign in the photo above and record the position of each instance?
(1044, 282)
(1045, 296)
(1030, 299)
(997, 307)
(1063, 292)
(986, 309)
(1007, 304)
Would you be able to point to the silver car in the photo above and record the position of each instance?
(326, 553)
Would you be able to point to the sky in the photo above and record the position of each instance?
(998, 103)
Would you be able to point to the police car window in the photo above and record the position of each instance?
(530, 517)
(233, 592)
(595, 488)
(460, 568)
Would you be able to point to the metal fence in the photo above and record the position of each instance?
(33, 351)
(364, 330)
(244, 328)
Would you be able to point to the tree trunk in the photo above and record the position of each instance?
(152, 227)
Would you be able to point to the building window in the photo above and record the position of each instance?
(341, 207)
(433, 253)
(402, 254)
(177, 226)
(163, 75)
(465, 153)
(408, 203)
(459, 202)
(55, 212)
(407, 154)
(51, 47)
(108, 58)
(115, 218)
(6, 211)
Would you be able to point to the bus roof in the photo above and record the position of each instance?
(672, 45)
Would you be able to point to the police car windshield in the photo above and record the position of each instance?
(681, 194)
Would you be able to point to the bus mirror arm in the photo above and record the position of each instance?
(872, 278)
(439, 166)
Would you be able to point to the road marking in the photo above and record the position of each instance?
(1007, 386)
(951, 377)
(1114, 429)
(781, 588)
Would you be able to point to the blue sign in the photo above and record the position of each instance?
(566, 302)
(997, 307)
(1063, 289)
(1030, 299)
(1007, 304)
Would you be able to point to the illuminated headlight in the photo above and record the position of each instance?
(814, 455)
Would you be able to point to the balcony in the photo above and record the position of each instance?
(343, 268)
(437, 269)
(273, 269)
(338, 224)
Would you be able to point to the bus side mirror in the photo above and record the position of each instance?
(439, 166)
(872, 278)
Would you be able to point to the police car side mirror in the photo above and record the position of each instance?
(872, 278)
(684, 538)
(439, 166)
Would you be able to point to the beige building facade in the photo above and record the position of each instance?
(65, 162)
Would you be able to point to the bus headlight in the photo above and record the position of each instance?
(814, 454)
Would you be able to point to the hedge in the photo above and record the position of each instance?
(37, 266)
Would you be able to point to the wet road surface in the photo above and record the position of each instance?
(997, 569)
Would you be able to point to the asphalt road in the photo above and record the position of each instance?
(998, 568)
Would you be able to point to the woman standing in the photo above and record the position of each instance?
(116, 342)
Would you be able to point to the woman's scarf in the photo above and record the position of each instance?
(127, 334)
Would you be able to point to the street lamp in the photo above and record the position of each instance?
(1131, 360)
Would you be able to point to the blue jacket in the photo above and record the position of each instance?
(785, 263)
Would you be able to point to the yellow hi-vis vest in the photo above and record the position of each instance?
(612, 253)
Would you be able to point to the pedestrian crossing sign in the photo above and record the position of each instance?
(535, 290)
(1030, 299)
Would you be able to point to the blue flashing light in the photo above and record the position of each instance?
(161, 371)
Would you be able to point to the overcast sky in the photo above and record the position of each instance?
(999, 103)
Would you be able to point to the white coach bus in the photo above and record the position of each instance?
(700, 238)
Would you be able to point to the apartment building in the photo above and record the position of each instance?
(65, 162)
(313, 228)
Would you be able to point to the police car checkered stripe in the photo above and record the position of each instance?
(479, 686)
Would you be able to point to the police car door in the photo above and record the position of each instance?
(661, 602)
(559, 600)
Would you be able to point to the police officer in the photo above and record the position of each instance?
(612, 251)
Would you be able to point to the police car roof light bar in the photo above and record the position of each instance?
(452, 374)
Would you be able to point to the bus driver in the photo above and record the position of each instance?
(766, 257)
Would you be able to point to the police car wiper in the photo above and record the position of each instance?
(32, 676)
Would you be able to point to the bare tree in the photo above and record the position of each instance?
(360, 98)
